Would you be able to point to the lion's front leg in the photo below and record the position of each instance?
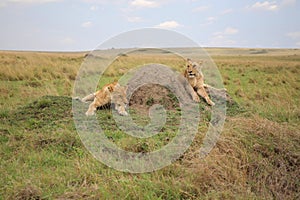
(192, 92)
(95, 104)
(92, 109)
(202, 92)
(209, 87)
(89, 97)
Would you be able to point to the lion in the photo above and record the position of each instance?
(195, 79)
(112, 93)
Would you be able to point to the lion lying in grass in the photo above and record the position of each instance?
(195, 79)
(110, 93)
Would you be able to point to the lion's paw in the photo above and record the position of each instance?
(123, 113)
(196, 98)
(89, 113)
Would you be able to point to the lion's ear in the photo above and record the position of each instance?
(189, 60)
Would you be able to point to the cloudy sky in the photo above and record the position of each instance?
(74, 25)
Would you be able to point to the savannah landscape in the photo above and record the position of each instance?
(256, 157)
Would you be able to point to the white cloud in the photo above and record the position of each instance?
(87, 24)
(201, 9)
(219, 36)
(67, 41)
(271, 5)
(94, 8)
(294, 35)
(144, 3)
(221, 42)
(134, 19)
(298, 43)
(5, 3)
(288, 2)
(231, 31)
(227, 31)
(222, 38)
(32, 1)
(227, 11)
(266, 5)
(95, 1)
(168, 25)
(209, 20)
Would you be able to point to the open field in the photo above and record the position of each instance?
(256, 157)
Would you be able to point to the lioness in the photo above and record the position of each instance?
(110, 93)
(196, 80)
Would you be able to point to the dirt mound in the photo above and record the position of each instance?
(148, 95)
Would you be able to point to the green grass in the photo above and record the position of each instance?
(269, 86)
(256, 157)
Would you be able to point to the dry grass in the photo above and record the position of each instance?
(254, 158)
(18, 66)
(25, 76)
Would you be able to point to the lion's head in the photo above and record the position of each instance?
(193, 69)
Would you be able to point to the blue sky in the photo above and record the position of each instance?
(75, 25)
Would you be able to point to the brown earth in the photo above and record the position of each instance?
(146, 96)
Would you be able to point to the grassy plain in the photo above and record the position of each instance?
(256, 157)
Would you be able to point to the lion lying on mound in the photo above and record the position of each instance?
(110, 93)
(195, 78)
